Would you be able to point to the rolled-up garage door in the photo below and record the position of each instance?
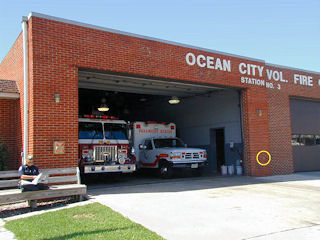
(305, 124)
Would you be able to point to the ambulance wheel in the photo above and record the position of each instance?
(165, 170)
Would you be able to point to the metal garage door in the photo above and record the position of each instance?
(305, 124)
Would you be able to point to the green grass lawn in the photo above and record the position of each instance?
(92, 221)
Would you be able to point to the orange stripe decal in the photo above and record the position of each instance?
(152, 164)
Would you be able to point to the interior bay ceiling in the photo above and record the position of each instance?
(110, 82)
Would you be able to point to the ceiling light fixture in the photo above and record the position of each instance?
(103, 107)
(174, 100)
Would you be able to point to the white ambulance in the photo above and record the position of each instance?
(104, 145)
(155, 145)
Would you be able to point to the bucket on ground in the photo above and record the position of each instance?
(230, 170)
(239, 170)
(224, 170)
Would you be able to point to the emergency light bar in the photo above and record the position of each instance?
(154, 122)
(99, 117)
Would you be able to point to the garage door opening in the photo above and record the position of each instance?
(305, 128)
(201, 109)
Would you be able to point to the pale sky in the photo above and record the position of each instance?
(283, 32)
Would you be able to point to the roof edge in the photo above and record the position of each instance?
(63, 20)
(4, 95)
(292, 68)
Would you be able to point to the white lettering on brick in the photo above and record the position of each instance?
(302, 80)
(200, 61)
(209, 62)
(191, 61)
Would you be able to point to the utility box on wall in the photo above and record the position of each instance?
(58, 147)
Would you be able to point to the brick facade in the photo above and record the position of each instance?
(11, 68)
(58, 49)
(9, 128)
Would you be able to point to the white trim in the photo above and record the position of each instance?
(63, 20)
(25, 89)
(9, 95)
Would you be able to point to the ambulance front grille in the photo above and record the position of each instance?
(105, 153)
(196, 156)
(192, 155)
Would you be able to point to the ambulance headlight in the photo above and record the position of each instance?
(175, 155)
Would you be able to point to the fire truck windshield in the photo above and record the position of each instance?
(168, 143)
(90, 130)
(115, 131)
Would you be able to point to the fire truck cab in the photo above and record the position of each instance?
(104, 145)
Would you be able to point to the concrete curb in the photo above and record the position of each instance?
(4, 233)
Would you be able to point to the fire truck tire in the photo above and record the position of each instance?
(165, 170)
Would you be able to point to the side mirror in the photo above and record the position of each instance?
(142, 147)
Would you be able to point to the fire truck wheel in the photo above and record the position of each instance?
(165, 170)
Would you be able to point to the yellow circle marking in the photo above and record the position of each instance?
(257, 157)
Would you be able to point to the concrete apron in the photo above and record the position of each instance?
(222, 207)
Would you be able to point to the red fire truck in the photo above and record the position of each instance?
(104, 145)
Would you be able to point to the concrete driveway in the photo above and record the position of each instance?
(216, 207)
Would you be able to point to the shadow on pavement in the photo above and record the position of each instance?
(21, 208)
(183, 181)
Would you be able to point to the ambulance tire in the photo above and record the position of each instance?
(165, 170)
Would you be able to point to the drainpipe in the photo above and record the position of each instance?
(25, 87)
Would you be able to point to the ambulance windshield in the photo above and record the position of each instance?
(115, 131)
(168, 143)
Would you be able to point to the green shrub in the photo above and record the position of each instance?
(4, 157)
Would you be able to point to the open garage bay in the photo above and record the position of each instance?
(207, 116)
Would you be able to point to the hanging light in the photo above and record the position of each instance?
(174, 100)
(103, 107)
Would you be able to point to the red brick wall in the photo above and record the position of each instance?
(280, 133)
(9, 129)
(255, 130)
(58, 49)
(279, 118)
(11, 111)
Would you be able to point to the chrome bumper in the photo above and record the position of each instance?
(125, 168)
(188, 164)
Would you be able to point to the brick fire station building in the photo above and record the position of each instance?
(226, 100)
